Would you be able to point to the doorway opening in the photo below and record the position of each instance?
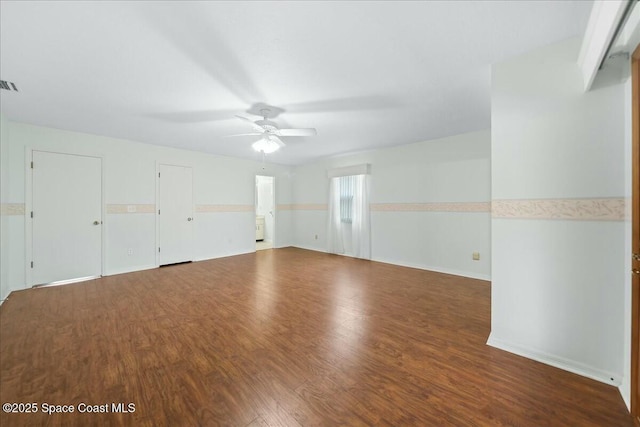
(265, 212)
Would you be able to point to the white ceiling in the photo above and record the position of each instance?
(364, 74)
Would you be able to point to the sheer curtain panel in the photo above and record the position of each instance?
(360, 222)
(335, 241)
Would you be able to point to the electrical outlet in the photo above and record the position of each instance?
(130, 251)
(476, 256)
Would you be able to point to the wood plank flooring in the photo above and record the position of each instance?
(282, 337)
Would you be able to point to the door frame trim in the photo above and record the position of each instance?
(28, 207)
(275, 210)
(157, 204)
(635, 211)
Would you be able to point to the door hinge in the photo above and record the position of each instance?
(31, 264)
(158, 174)
(31, 165)
(158, 211)
(31, 214)
(158, 249)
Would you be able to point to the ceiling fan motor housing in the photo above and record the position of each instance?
(268, 125)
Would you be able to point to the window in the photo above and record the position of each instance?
(347, 187)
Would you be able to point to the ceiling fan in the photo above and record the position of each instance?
(270, 131)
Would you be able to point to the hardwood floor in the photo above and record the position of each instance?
(283, 337)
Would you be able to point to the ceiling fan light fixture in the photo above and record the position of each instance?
(265, 145)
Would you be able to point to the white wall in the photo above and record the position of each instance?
(410, 224)
(558, 271)
(224, 192)
(4, 200)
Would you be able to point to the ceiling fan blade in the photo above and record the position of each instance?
(255, 126)
(297, 132)
(277, 140)
(245, 134)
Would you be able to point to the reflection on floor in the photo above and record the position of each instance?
(260, 246)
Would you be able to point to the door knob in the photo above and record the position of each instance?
(635, 271)
(189, 219)
(96, 222)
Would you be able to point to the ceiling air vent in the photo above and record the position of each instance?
(8, 85)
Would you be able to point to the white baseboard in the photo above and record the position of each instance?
(206, 258)
(453, 272)
(468, 274)
(556, 361)
(150, 267)
(129, 270)
(625, 392)
(309, 248)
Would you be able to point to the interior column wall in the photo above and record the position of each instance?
(5, 209)
(558, 230)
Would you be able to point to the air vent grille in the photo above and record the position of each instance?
(8, 85)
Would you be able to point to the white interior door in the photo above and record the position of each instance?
(67, 217)
(175, 214)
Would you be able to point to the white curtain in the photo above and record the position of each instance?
(360, 219)
(361, 223)
(335, 240)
